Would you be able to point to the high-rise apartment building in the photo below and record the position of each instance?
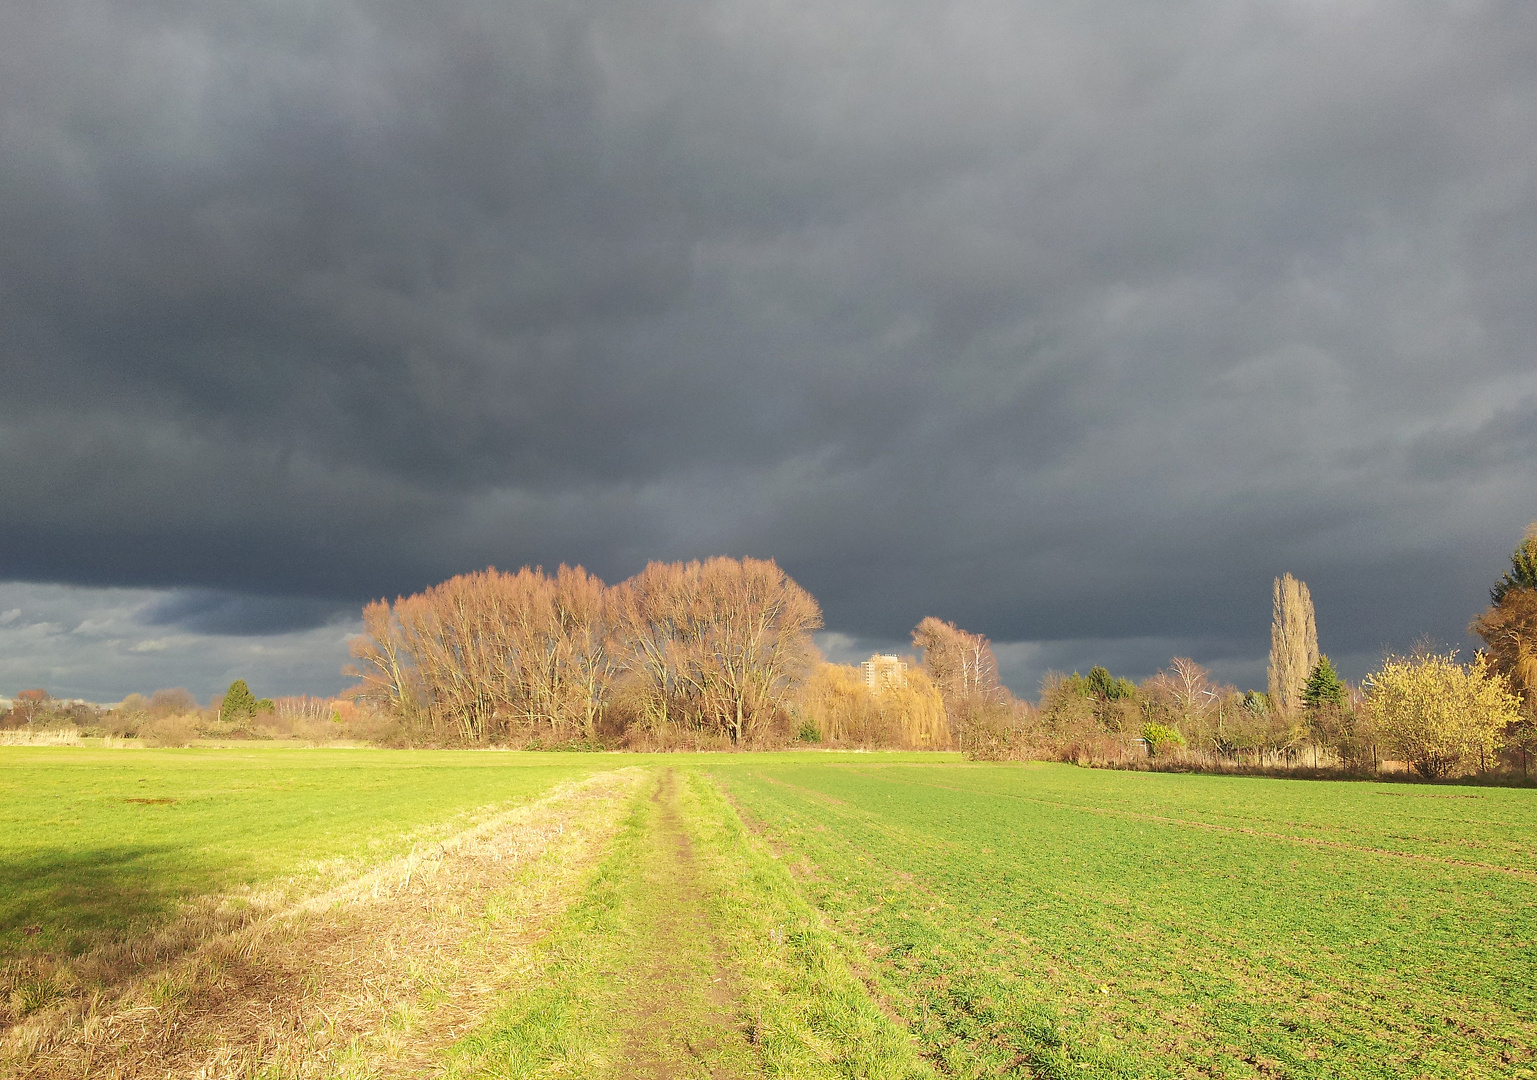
(883, 670)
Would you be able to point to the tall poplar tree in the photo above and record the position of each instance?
(1293, 644)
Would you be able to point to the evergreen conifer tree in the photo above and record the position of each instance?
(1102, 684)
(1509, 626)
(1523, 567)
(1323, 686)
(1099, 681)
(239, 702)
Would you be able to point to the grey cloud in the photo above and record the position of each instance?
(209, 612)
(101, 644)
(1070, 322)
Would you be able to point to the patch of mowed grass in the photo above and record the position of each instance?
(97, 845)
(1050, 921)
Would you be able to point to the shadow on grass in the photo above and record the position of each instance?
(70, 900)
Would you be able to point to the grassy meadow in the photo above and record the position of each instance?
(853, 915)
(97, 843)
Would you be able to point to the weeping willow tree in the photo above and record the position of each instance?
(908, 713)
(1293, 644)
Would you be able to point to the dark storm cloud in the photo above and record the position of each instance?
(1075, 323)
(209, 612)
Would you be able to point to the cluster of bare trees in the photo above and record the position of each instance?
(715, 646)
(40, 710)
(983, 715)
(485, 652)
(1424, 712)
(1100, 719)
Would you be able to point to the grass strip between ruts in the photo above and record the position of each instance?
(818, 1019)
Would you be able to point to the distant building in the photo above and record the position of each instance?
(883, 671)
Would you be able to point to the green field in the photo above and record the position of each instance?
(1153, 924)
(95, 844)
(870, 914)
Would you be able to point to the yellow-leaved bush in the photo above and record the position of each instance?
(1437, 714)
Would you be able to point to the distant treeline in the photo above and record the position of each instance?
(1426, 713)
(174, 717)
(719, 654)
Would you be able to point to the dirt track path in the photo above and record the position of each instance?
(692, 956)
(680, 1018)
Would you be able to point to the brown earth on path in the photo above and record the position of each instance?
(682, 1020)
(369, 979)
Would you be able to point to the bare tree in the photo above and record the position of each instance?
(445, 632)
(751, 641)
(302, 708)
(525, 649)
(171, 701)
(649, 617)
(580, 609)
(1189, 684)
(389, 676)
(717, 644)
(960, 664)
(981, 713)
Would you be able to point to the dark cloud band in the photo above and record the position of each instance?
(1062, 321)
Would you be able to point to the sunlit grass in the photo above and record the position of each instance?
(99, 844)
(1046, 920)
(1024, 920)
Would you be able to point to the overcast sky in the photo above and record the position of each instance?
(1073, 322)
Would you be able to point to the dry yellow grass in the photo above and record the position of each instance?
(367, 979)
(49, 737)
